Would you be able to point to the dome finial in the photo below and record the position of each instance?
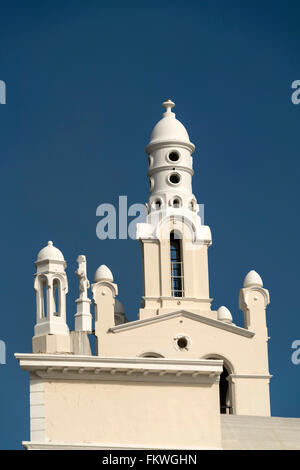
(253, 279)
(103, 273)
(50, 243)
(168, 105)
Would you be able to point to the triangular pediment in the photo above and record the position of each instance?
(186, 314)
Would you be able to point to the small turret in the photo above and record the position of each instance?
(104, 293)
(51, 332)
(253, 300)
(170, 164)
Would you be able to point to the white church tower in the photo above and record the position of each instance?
(178, 375)
(174, 240)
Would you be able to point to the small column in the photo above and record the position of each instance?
(83, 317)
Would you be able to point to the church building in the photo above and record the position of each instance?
(181, 376)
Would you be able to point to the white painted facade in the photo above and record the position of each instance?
(163, 380)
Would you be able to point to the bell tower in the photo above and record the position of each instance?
(174, 241)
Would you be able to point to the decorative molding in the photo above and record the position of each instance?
(184, 313)
(169, 168)
(171, 143)
(175, 299)
(250, 376)
(110, 285)
(246, 291)
(138, 369)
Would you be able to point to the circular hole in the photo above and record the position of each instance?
(173, 156)
(182, 342)
(174, 178)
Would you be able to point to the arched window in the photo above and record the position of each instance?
(177, 289)
(43, 297)
(225, 390)
(157, 204)
(225, 399)
(151, 354)
(56, 298)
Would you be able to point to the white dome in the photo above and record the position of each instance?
(253, 279)
(103, 273)
(119, 307)
(224, 314)
(169, 128)
(50, 252)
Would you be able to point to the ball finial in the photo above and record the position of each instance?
(50, 243)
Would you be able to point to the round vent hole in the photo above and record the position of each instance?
(182, 342)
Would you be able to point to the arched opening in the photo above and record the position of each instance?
(157, 204)
(225, 390)
(225, 395)
(43, 297)
(176, 202)
(56, 298)
(151, 354)
(192, 204)
(177, 288)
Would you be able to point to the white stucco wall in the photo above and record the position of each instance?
(133, 415)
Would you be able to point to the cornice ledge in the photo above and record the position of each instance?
(167, 167)
(250, 376)
(126, 369)
(169, 143)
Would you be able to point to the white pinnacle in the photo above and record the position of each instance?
(168, 105)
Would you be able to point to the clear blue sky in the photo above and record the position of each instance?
(85, 82)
